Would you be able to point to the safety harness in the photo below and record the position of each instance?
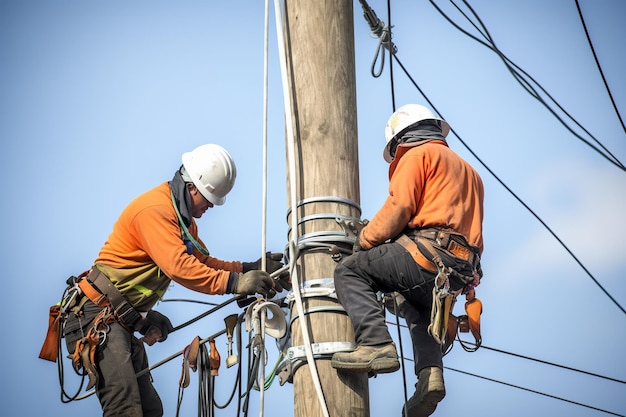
(98, 288)
(444, 326)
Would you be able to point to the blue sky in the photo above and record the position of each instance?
(99, 100)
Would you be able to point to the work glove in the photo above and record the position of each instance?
(155, 327)
(251, 282)
(282, 281)
(272, 263)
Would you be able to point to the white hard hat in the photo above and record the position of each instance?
(212, 170)
(406, 116)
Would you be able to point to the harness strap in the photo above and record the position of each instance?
(101, 291)
(94, 295)
(417, 255)
(85, 352)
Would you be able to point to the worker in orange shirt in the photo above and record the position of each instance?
(154, 241)
(427, 235)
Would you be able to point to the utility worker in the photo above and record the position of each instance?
(155, 240)
(428, 231)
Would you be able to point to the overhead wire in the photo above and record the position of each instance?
(535, 392)
(517, 355)
(526, 81)
(595, 57)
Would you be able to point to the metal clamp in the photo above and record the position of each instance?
(322, 287)
(319, 309)
(320, 350)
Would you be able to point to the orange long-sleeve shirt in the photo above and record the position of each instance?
(429, 185)
(145, 251)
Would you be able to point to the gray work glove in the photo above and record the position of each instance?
(272, 263)
(251, 282)
(282, 281)
(155, 321)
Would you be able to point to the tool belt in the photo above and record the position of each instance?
(98, 288)
(457, 264)
(449, 241)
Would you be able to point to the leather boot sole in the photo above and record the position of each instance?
(375, 366)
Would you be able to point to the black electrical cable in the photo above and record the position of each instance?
(526, 389)
(536, 392)
(595, 57)
(526, 84)
(556, 365)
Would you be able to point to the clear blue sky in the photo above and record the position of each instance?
(98, 100)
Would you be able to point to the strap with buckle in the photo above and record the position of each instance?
(101, 291)
(451, 241)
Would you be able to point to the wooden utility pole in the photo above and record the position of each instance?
(320, 57)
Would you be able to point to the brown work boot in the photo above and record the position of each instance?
(429, 390)
(372, 359)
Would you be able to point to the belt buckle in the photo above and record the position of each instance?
(459, 250)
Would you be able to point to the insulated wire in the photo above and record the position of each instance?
(525, 83)
(294, 218)
(535, 392)
(595, 57)
(264, 228)
(492, 173)
(512, 67)
(556, 365)
(265, 101)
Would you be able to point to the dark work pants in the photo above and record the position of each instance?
(120, 391)
(388, 268)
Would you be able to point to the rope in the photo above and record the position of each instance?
(264, 198)
(265, 111)
(293, 197)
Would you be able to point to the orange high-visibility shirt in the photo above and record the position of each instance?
(145, 251)
(429, 186)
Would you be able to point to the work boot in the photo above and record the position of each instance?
(371, 359)
(429, 390)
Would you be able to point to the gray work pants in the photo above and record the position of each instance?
(388, 268)
(118, 359)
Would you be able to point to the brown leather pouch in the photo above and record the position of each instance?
(50, 349)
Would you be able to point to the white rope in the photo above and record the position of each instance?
(294, 218)
(264, 202)
(264, 174)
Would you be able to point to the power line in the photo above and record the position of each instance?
(595, 57)
(517, 355)
(527, 81)
(535, 392)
